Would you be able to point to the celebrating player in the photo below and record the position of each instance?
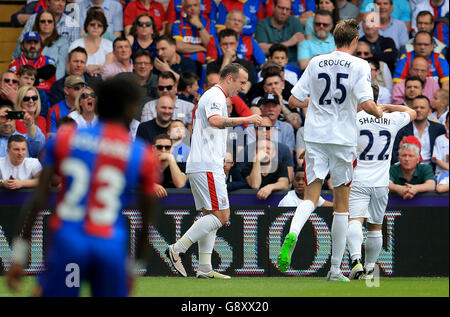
(205, 169)
(333, 86)
(369, 189)
(99, 167)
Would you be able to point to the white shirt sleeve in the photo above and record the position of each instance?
(362, 88)
(301, 90)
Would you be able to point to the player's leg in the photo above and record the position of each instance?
(316, 169)
(207, 196)
(65, 265)
(358, 206)
(206, 247)
(341, 172)
(374, 241)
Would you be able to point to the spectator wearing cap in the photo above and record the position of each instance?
(122, 63)
(31, 55)
(425, 130)
(283, 131)
(16, 169)
(72, 85)
(409, 177)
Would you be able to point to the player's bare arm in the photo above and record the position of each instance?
(221, 122)
(391, 108)
(371, 107)
(296, 103)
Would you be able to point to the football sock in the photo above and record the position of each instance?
(197, 231)
(374, 243)
(205, 249)
(338, 240)
(301, 215)
(355, 239)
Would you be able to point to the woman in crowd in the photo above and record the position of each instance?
(99, 49)
(85, 108)
(28, 100)
(143, 34)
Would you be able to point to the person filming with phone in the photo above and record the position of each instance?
(34, 136)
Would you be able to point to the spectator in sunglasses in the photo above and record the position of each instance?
(143, 33)
(34, 136)
(322, 41)
(9, 85)
(29, 101)
(113, 12)
(72, 86)
(85, 109)
(167, 86)
(172, 172)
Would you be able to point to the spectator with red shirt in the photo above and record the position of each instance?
(28, 100)
(193, 32)
(137, 7)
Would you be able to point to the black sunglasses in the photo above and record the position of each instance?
(166, 147)
(28, 98)
(46, 21)
(363, 53)
(321, 24)
(146, 24)
(8, 80)
(85, 95)
(169, 87)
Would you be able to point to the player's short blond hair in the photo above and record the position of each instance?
(345, 31)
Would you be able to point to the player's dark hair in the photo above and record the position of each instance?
(345, 32)
(187, 79)
(64, 120)
(232, 69)
(118, 97)
(16, 138)
(376, 92)
(299, 169)
(423, 97)
(415, 78)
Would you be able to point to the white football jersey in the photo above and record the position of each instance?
(208, 144)
(336, 84)
(375, 142)
(440, 152)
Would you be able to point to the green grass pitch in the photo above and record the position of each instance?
(269, 287)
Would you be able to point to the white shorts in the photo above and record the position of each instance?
(368, 202)
(333, 159)
(209, 190)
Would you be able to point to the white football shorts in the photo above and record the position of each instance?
(368, 202)
(209, 190)
(333, 159)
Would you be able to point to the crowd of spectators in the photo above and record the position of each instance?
(175, 49)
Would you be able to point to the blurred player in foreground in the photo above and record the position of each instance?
(370, 187)
(333, 87)
(99, 167)
(205, 169)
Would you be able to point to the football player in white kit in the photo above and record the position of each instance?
(333, 87)
(369, 189)
(204, 167)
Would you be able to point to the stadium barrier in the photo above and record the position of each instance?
(415, 235)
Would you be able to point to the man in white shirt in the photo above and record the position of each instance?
(296, 196)
(333, 87)
(370, 186)
(16, 169)
(205, 169)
